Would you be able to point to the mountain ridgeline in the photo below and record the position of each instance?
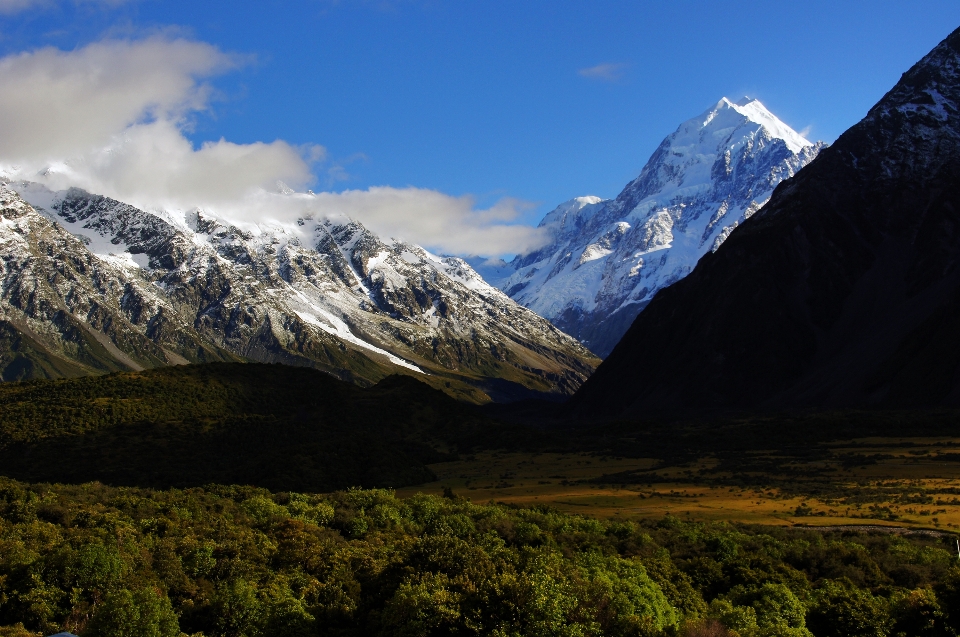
(843, 291)
(607, 259)
(772, 273)
(93, 285)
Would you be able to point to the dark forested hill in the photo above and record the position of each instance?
(842, 291)
(270, 425)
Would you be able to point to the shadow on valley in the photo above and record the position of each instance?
(282, 427)
(274, 426)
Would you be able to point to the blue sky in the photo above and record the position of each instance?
(496, 100)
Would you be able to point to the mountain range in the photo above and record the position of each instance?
(608, 258)
(842, 292)
(93, 285)
(772, 273)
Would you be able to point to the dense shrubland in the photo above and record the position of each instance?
(231, 561)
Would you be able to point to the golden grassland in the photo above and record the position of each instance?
(901, 482)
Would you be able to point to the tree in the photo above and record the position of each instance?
(145, 613)
(842, 610)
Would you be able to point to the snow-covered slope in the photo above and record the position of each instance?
(608, 258)
(323, 292)
(65, 311)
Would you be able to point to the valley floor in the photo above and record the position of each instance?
(891, 482)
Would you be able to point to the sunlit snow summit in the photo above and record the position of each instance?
(607, 258)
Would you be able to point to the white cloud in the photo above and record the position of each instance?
(153, 165)
(57, 104)
(110, 117)
(607, 72)
(435, 220)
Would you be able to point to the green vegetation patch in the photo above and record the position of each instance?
(227, 561)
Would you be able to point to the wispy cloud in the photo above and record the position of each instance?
(9, 7)
(606, 72)
(15, 6)
(110, 117)
(337, 172)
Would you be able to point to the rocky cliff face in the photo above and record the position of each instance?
(608, 259)
(156, 288)
(843, 291)
(65, 312)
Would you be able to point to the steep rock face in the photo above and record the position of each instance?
(323, 292)
(608, 259)
(66, 312)
(843, 291)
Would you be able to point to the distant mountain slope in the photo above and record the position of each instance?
(607, 259)
(843, 291)
(94, 284)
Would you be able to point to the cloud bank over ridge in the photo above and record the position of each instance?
(110, 117)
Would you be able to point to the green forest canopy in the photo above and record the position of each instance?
(231, 561)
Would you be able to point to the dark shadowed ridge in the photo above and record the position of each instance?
(842, 292)
(274, 426)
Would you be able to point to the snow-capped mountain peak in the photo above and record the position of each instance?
(758, 113)
(726, 128)
(608, 258)
(567, 208)
(843, 294)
